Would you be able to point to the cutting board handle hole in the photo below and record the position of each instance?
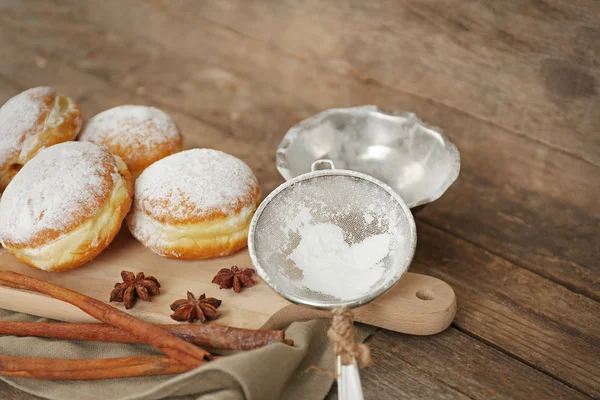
(425, 294)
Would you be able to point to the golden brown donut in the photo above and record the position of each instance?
(30, 121)
(195, 204)
(140, 135)
(65, 206)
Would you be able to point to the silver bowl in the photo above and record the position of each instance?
(417, 160)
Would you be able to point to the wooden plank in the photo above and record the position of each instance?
(207, 54)
(8, 89)
(417, 367)
(96, 101)
(541, 323)
(392, 377)
(20, 68)
(103, 102)
(260, 308)
(545, 178)
(565, 191)
(557, 190)
(295, 78)
(97, 94)
(469, 55)
(539, 232)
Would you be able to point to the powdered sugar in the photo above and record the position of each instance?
(19, 117)
(59, 188)
(323, 256)
(136, 127)
(331, 238)
(194, 183)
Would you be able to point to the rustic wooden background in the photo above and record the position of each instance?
(516, 84)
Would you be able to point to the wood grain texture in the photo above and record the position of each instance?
(457, 364)
(514, 84)
(400, 309)
(469, 55)
(539, 322)
(238, 75)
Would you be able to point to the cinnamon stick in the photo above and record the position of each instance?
(69, 369)
(212, 335)
(187, 354)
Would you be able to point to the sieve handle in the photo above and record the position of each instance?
(348, 381)
(321, 164)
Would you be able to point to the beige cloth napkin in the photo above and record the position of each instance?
(272, 372)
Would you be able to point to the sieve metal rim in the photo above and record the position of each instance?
(412, 238)
(285, 147)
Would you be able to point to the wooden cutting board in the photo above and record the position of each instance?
(418, 304)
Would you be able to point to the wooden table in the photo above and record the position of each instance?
(516, 84)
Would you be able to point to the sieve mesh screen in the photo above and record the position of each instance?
(361, 208)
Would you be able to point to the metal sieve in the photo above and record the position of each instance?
(415, 158)
(362, 206)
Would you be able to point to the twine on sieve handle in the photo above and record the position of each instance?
(344, 339)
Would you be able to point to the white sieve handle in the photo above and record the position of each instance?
(322, 164)
(349, 387)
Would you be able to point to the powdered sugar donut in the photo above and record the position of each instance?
(30, 121)
(65, 206)
(195, 204)
(140, 135)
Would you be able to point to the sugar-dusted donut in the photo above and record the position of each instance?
(65, 206)
(140, 135)
(195, 204)
(30, 121)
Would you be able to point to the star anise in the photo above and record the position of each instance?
(190, 309)
(234, 278)
(134, 286)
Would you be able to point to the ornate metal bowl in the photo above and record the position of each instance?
(417, 160)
